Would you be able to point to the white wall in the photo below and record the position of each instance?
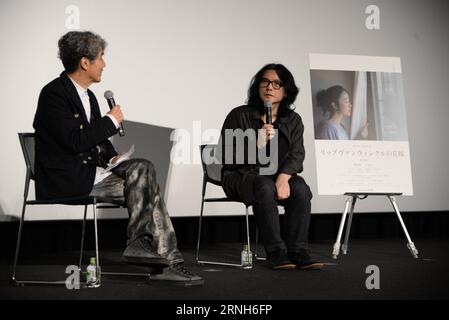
(171, 63)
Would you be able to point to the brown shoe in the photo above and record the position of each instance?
(303, 261)
(278, 260)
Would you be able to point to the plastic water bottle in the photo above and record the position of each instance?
(93, 274)
(246, 257)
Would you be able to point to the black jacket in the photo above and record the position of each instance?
(66, 157)
(237, 178)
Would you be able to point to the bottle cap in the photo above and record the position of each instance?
(245, 247)
(93, 260)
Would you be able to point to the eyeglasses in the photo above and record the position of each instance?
(277, 84)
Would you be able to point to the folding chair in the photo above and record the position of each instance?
(27, 142)
(212, 174)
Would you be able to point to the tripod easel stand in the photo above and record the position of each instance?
(350, 201)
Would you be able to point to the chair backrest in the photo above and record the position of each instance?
(27, 144)
(211, 169)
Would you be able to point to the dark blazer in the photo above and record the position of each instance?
(66, 152)
(237, 178)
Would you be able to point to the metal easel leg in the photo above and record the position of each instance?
(410, 244)
(336, 250)
(344, 247)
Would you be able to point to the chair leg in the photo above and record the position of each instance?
(97, 257)
(100, 271)
(14, 279)
(247, 237)
(62, 282)
(82, 239)
(200, 222)
(256, 254)
(218, 262)
(19, 238)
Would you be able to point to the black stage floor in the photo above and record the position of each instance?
(400, 276)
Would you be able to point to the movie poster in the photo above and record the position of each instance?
(360, 125)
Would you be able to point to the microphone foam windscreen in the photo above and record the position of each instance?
(267, 104)
(108, 94)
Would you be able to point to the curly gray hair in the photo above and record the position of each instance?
(77, 44)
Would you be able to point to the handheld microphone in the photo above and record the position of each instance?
(109, 96)
(268, 116)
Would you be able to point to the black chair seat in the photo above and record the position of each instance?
(220, 200)
(74, 201)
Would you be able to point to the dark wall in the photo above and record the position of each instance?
(61, 236)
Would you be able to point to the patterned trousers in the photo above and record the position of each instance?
(133, 183)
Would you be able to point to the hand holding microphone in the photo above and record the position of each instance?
(116, 112)
(267, 104)
(268, 126)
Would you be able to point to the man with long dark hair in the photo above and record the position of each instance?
(246, 179)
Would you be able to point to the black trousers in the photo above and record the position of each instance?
(297, 214)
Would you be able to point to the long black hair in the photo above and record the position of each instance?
(288, 82)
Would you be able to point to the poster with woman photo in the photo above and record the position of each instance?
(360, 127)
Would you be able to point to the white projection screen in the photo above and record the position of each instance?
(178, 67)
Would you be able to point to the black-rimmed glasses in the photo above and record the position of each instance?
(277, 84)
